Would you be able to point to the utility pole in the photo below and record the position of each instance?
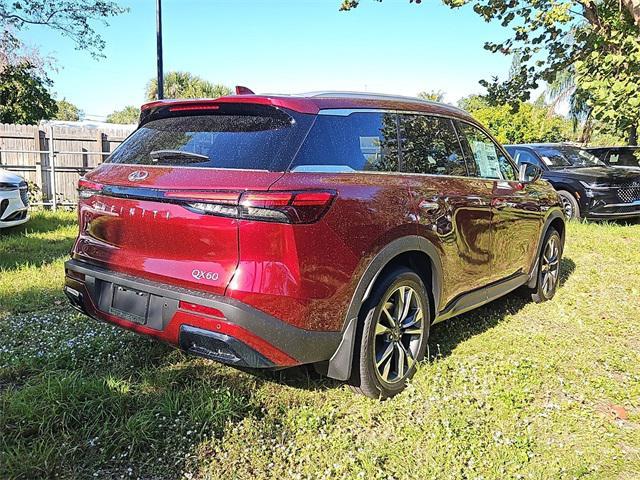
(159, 48)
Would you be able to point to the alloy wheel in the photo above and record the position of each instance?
(399, 330)
(550, 266)
(567, 207)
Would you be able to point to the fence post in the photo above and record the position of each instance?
(52, 161)
(38, 139)
(99, 148)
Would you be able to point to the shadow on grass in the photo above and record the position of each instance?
(33, 251)
(31, 300)
(138, 396)
(40, 223)
(26, 244)
(443, 339)
(447, 335)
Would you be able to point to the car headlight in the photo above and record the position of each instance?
(5, 187)
(596, 186)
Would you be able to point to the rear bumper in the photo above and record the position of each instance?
(212, 326)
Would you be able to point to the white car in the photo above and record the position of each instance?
(14, 199)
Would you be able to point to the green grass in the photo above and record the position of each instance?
(513, 390)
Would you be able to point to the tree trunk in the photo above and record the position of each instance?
(587, 129)
(633, 136)
(634, 9)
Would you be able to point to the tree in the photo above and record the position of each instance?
(186, 85)
(599, 40)
(71, 18)
(530, 123)
(24, 97)
(632, 6)
(432, 95)
(126, 116)
(67, 111)
(473, 103)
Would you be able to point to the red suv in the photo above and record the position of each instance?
(330, 229)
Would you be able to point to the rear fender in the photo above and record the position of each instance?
(339, 366)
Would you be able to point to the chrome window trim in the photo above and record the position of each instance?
(373, 172)
(345, 112)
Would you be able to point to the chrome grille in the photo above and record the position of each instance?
(630, 192)
(24, 195)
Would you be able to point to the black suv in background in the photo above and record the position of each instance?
(618, 156)
(588, 187)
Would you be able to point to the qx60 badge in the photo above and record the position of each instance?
(203, 275)
(138, 175)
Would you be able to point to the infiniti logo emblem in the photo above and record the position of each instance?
(138, 175)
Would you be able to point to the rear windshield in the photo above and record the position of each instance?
(567, 156)
(237, 138)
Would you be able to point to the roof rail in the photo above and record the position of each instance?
(374, 96)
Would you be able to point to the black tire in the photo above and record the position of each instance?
(548, 268)
(407, 349)
(570, 205)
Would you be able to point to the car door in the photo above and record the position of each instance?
(516, 214)
(452, 205)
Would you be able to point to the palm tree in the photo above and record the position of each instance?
(563, 89)
(186, 85)
(432, 95)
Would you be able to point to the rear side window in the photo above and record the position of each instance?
(625, 158)
(259, 138)
(488, 160)
(363, 141)
(430, 145)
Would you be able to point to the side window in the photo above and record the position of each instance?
(488, 160)
(614, 158)
(524, 156)
(430, 145)
(357, 142)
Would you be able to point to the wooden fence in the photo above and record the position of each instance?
(53, 157)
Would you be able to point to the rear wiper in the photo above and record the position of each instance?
(189, 157)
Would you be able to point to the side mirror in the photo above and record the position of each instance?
(529, 173)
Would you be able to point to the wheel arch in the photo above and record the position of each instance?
(413, 251)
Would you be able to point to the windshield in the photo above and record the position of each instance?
(259, 138)
(566, 156)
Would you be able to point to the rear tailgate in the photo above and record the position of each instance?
(162, 206)
(132, 230)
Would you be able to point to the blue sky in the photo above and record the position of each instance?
(281, 46)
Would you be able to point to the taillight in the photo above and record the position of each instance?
(87, 189)
(284, 207)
